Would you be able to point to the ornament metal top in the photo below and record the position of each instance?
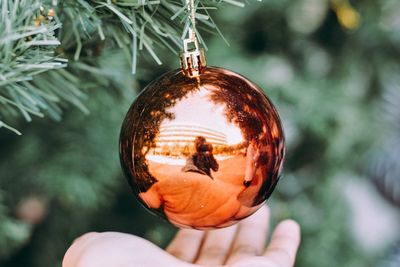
(201, 146)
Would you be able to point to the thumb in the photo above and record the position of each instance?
(117, 249)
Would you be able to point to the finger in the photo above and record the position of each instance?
(251, 236)
(186, 244)
(77, 248)
(216, 246)
(85, 237)
(284, 244)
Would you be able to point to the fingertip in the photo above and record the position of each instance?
(261, 215)
(284, 243)
(74, 251)
(289, 226)
(289, 223)
(259, 220)
(264, 211)
(85, 237)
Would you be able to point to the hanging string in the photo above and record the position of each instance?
(192, 17)
(192, 59)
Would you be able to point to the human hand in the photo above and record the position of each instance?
(241, 245)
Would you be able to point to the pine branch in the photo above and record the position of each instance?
(33, 56)
(26, 51)
(140, 25)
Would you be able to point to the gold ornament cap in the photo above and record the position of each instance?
(193, 60)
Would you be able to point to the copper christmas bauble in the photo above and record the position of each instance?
(202, 152)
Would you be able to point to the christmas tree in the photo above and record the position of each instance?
(70, 69)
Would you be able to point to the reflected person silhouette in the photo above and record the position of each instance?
(252, 154)
(202, 161)
(257, 154)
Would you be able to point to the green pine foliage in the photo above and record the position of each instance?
(26, 51)
(32, 43)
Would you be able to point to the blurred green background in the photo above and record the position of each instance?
(332, 70)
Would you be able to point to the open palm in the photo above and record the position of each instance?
(241, 245)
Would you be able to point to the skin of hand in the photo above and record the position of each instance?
(241, 245)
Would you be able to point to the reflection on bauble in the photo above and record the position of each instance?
(202, 153)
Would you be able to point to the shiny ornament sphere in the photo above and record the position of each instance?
(202, 152)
